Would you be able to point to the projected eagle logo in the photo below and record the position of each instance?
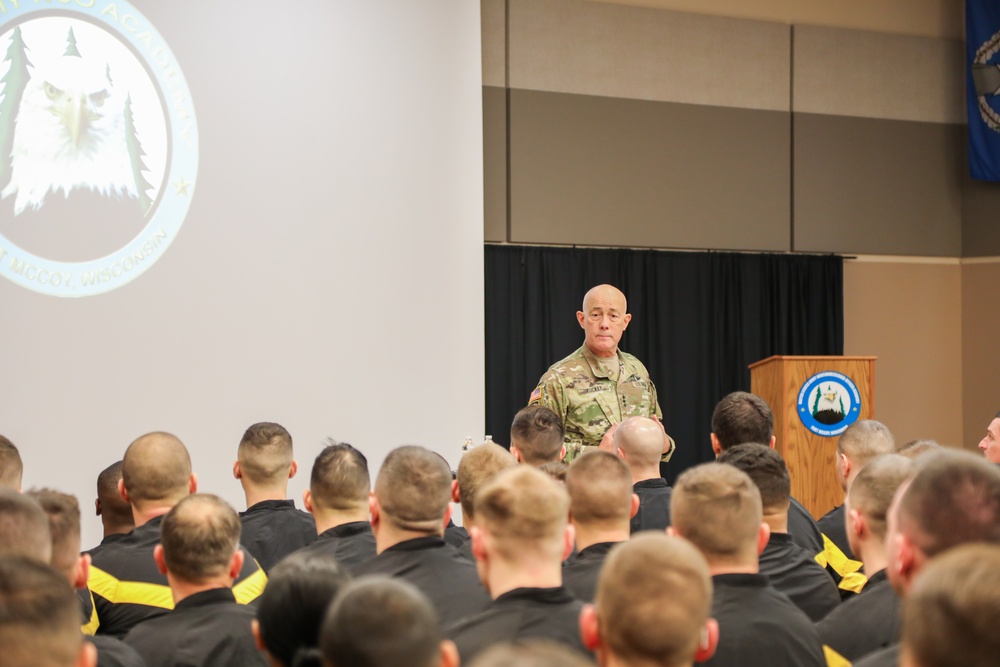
(98, 146)
(73, 129)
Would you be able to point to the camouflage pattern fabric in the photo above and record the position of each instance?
(580, 390)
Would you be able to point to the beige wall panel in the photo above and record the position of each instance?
(980, 359)
(930, 18)
(854, 73)
(876, 186)
(909, 315)
(495, 164)
(493, 14)
(604, 171)
(980, 219)
(592, 48)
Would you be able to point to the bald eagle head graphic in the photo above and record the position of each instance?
(70, 133)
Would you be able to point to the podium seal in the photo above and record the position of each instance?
(828, 403)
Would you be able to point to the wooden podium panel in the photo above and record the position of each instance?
(810, 457)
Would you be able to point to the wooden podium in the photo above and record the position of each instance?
(810, 446)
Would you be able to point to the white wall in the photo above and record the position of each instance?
(328, 275)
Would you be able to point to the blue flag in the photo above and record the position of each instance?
(982, 44)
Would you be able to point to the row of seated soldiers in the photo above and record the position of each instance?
(611, 564)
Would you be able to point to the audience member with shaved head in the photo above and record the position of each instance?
(272, 526)
(860, 443)
(409, 510)
(380, 622)
(741, 418)
(291, 609)
(951, 612)
(638, 441)
(870, 621)
(601, 503)
(63, 514)
(115, 513)
(531, 653)
(953, 499)
(11, 468)
(536, 436)
(653, 604)
(200, 555)
(477, 467)
(156, 475)
(337, 497)
(39, 617)
(520, 538)
(788, 566)
(718, 509)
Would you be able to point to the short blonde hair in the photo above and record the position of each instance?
(525, 512)
(600, 489)
(717, 507)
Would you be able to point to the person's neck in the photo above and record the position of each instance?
(256, 495)
(387, 535)
(144, 515)
(181, 589)
(745, 564)
(609, 659)
(587, 536)
(602, 354)
(529, 572)
(325, 520)
(777, 521)
(645, 474)
(118, 528)
(873, 555)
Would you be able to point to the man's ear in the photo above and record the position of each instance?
(635, 505)
(236, 564)
(562, 452)
(456, 496)
(447, 517)
(374, 509)
(908, 559)
(590, 628)
(716, 446)
(857, 525)
(672, 532)
(449, 653)
(237, 470)
(258, 638)
(82, 572)
(763, 536)
(478, 543)
(292, 469)
(845, 466)
(516, 453)
(87, 657)
(123, 492)
(97, 507)
(774, 441)
(161, 562)
(307, 501)
(626, 320)
(569, 540)
(193, 484)
(708, 641)
(580, 317)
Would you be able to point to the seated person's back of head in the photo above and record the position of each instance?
(24, 528)
(531, 653)
(536, 436)
(11, 467)
(115, 513)
(741, 417)
(477, 467)
(381, 622)
(653, 603)
(39, 617)
(290, 612)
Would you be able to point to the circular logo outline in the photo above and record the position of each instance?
(805, 412)
(104, 274)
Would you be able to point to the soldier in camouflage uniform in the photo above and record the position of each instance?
(598, 386)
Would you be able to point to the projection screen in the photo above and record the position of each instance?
(218, 213)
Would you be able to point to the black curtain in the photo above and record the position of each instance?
(698, 321)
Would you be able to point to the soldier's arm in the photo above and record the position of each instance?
(549, 393)
(668, 443)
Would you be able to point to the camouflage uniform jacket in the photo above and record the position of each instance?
(580, 391)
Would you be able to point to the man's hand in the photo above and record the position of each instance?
(606, 442)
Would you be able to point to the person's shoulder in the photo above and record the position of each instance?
(573, 362)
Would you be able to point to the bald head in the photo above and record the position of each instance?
(24, 528)
(640, 442)
(604, 318)
(200, 535)
(653, 599)
(605, 294)
(156, 469)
